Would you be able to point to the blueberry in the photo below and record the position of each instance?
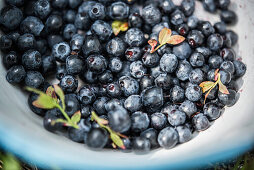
(228, 16)
(184, 134)
(167, 6)
(215, 42)
(192, 22)
(97, 138)
(10, 59)
(240, 68)
(32, 25)
(168, 138)
(42, 8)
(158, 27)
(211, 75)
(96, 63)
(133, 53)
(134, 37)
(106, 77)
(152, 97)
(10, 17)
(228, 54)
(54, 39)
(119, 120)
(155, 71)
(183, 70)
(200, 122)
(118, 11)
(158, 121)
(168, 63)
(26, 42)
(33, 97)
(176, 117)
(151, 14)
(232, 37)
(183, 29)
(212, 111)
(89, 77)
(86, 95)
(74, 3)
(145, 82)
(48, 64)
(197, 59)
(188, 107)
(32, 60)
(196, 76)
(133, 103)
(151, 59)
(34, 79)
(182, 51)
(71, 104)
(115, 64)
(135, 20)
(52, 115)
(177, 94)
(195, 38)
(74, 64)
(61, 71)
(193, 93)
(139, 122)
(129, 86)
(112, 104)
(13, 36)
(98, 11)
(228, 66)
(59, 3)
(78, 135)
(76, 42)
(228, 99)
(151, 134)
(137, 69)
(91, 45)
(69, 16)
(206, 28)
(220, 27)
(54, 23)
(15, 2)
(141, 145)
(165, 49)
(116, 47)
(209, 5)
(61, 51)
(188, 7)
(114, 90)
(99, 105)
(6, 43)
(215, 61)
(223, 4)
(69, 31)
(85, 111)
(128, 145)
(177, 17)
(69, 84)
(206, 52)
(82, 21)
(102, 29)
(163, 81)
(16, 74)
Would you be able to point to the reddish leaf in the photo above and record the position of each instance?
(222, 88)
(207, 85)
(153, 43)
(175, 39)
(165, 35)
(216, 73)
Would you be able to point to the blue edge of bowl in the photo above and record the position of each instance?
(14, 143)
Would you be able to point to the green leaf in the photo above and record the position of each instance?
(207, 85)
(44, 101)
(118, 26)
(51, 92)
(76, 118)
(117, 140)
(10, 163)
(60, 121)
(165, 35)
(60, 94)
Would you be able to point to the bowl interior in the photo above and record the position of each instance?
(22, 131)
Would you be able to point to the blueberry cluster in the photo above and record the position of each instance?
(152, 98)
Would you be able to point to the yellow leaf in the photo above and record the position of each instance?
(222, 88)
(207, 85)
(124, 26)
(175, 39)
(165, 35)
(118, 26)
(76, 117)
(51, 92)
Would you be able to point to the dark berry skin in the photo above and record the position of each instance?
(167, 6)
(232, 37)
(82, 21)
(77, 42)
(78, 135)
(86, 95)
(183, 70)
(133, 53)
(215, 42)
(168, 63)
(152, 97)
(220, 27)
(158, 121)
(134, 37)
(10, 59)
(151, 134)
(151, 15)
(69, 31)
(197, 59)
(42, 8)
(74, 64)
(54, 39)
(102, 29)
(182, 51)
(158, 27)
(141, 145)
(192, 22)
(61, 51)
(133, 103)
(112, 104)
(52, 115)
(32, 60)
(200, 122)
(145, 82)
(98, 11)
(177, 94)
(135, 20)
(196, 76)
(195, 38)
(168, 138)
(115, 64)
(228, 54)
(114, 90)
(69, 16)
(16, 74)
(240, 68)
(163, 81)
(86, 111)
(74, 3)
(228, 66)
(206, 28)
(177, 17)
(188, 107)
(69, 84)
(99, 105)
(223, 4)
(34, 79)
(128, 85)
(155, 71)
(139, 121)
(91, 45)
(206, 52)
(209, 5)
(188, 7)
(228, 99)
(137, 69)
(212, 111)
(61, 71)
(48, 64)
(10, 17)
(32, 25)
(183, 29)
(71, 104)
(106, 77)
(6, 43)
(15, 2)
(26, 42)
(33, 97)
(151, 60)
(118, 11)
(53, 23)
(116, 47)
(228, 16)
(119, 120)
(97, 138)
(215, 61)
(184, 133)
(96, 63)
(89, 77)
(193, 93)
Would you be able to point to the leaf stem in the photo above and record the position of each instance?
(157, 48)
(63, 112)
